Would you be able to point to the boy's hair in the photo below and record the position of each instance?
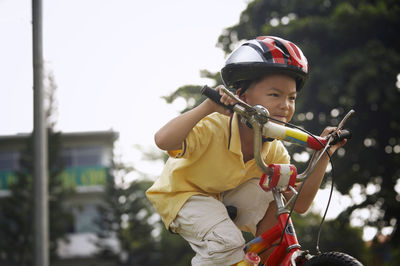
(255, 58)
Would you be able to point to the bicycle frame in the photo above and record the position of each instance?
(288, 249)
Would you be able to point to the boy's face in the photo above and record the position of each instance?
(275, 92)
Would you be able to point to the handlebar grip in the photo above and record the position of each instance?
(214, 96)
(345, 134)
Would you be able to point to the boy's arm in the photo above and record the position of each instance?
(171, 136)
(313, 182)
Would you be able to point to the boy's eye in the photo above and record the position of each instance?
(273, 94)
(293, 98)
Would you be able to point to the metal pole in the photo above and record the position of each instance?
(40, 176)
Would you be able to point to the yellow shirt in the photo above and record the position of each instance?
(209, 163)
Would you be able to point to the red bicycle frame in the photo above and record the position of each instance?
(283, 252)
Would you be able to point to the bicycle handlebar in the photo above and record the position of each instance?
(274, 130)
(214, 96)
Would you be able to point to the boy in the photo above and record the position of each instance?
(211, 162)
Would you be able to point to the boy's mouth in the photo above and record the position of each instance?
(280, 117)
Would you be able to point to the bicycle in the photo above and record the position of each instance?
(280, 178)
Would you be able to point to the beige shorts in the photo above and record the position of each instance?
(204, 222)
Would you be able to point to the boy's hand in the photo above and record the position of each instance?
(333, 148)
(225, 99)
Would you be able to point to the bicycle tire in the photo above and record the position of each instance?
(333, 258)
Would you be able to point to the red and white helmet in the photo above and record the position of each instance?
(266, 54)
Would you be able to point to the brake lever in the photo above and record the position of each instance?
(330, 137)
(344, 120)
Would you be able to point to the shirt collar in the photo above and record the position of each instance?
(234, 143)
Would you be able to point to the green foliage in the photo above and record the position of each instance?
(191, 93)
(129, 217)
(173, 249)
(125, 217)
(215, 77)
(307, 227)
(16, 210)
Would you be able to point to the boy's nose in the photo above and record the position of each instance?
(285, 104)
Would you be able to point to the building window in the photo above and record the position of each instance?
(86, 219)
(82, 156)
(9, 160)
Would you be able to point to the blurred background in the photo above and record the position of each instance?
(116, 71)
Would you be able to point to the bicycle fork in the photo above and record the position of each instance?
(282, 236)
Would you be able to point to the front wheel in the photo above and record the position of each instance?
(332, 259)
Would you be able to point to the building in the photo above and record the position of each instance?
(87, 157)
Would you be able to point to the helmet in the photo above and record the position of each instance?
(263, 55)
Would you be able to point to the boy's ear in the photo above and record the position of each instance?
(241, 96)
(238, 92)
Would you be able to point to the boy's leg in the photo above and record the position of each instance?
(251, 202)
(204, 222)
(256, 210)
(269, 220)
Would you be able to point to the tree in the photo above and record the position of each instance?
(125, 216)
(16, 210)
(307, 227)
(131, 219)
